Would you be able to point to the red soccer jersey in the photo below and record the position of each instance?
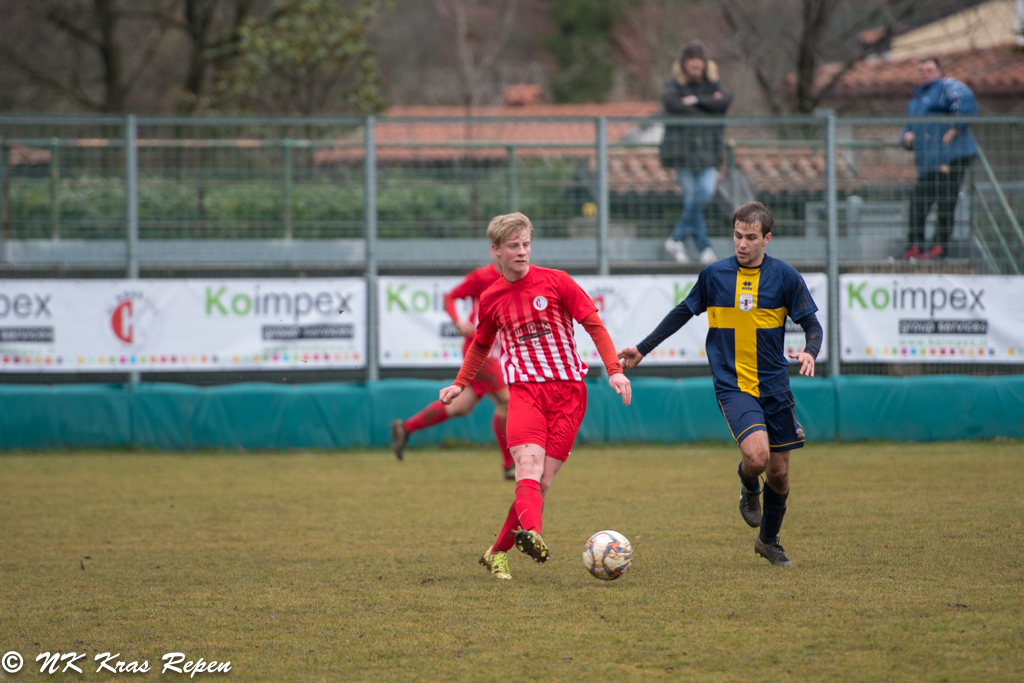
(473, 285)
(534, 317)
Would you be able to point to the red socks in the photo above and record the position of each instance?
(507, 535)
(529, 504)
(526, 512)
(432, 415)
(498, 424)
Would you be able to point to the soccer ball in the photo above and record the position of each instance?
(607, 555)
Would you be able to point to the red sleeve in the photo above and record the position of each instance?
(449, 306)
(576, 301)
(486, 328)
(473, 285)
(478, 351)
(471, 364)
(595, 328)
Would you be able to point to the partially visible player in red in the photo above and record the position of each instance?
(488, 382)
(532, 310)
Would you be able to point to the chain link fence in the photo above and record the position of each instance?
(116, 197)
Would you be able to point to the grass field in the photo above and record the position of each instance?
(350, 566)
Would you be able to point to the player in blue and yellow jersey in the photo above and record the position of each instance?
(747, 298)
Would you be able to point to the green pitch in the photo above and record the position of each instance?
(352, 566)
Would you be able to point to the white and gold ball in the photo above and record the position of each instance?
(607, 555)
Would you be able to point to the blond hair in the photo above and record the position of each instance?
(503, 227)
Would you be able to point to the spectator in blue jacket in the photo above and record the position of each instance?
(942, 153)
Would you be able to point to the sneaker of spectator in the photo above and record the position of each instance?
(934, 253)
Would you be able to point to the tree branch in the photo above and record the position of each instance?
(50, 81)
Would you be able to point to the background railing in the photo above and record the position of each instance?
(230, 197)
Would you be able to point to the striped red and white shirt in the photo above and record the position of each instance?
(534, 318)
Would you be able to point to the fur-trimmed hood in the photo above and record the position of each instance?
(710, 72)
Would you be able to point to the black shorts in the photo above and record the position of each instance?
(747, 414)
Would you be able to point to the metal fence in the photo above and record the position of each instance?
(231, 197)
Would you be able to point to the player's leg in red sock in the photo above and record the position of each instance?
(507, 535)
(433, 414)
(498, 424)
(529, 505)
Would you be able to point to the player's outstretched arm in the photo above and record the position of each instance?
(806, 363)
(620, 383)
(465, 328)
(596, 329)
(471, 364)
(630, 357)
(670, 324)
(450, 393)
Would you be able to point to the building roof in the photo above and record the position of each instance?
(420, 134)
(990, 72)
(400, 137)
(791, 169)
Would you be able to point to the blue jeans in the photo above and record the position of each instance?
(698, 188)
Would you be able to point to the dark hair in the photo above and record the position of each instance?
(938, 65)
(693, 50)
(755, 212)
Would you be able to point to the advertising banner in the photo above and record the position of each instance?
(931, 318)
(181, 325)
(415, 330)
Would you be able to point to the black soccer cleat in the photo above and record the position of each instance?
(399, 437)
(750, 505)
(773, 553)
(532, 544)
(510, 473)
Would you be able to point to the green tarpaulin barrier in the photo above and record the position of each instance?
(934, 408)
(270, 416)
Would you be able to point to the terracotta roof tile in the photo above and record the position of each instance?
(630, 169)
(521, 94)
(21, 155)
(991, 72)
(396, 131)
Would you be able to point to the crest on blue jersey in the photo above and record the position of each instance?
(746, 301)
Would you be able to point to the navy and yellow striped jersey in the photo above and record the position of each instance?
(747, 310)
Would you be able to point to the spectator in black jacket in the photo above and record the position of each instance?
(695, 151)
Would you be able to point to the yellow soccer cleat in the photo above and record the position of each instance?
(496, 564)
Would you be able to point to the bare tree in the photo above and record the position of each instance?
(476, 51)
(782, 37)
(212, 28)
(94, 52)
(649, 36)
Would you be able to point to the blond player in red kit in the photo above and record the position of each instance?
(533, 309)
(488, 382)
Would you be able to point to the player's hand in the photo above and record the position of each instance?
(449, 394)
(630, 357)
(465, 328)
(944, 168)
(948, 136)
(620, 383)
(908, 140)
(806, 363)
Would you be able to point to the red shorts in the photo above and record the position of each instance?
(489, 379)
(547, 414)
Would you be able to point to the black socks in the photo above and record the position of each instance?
(774, 509)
